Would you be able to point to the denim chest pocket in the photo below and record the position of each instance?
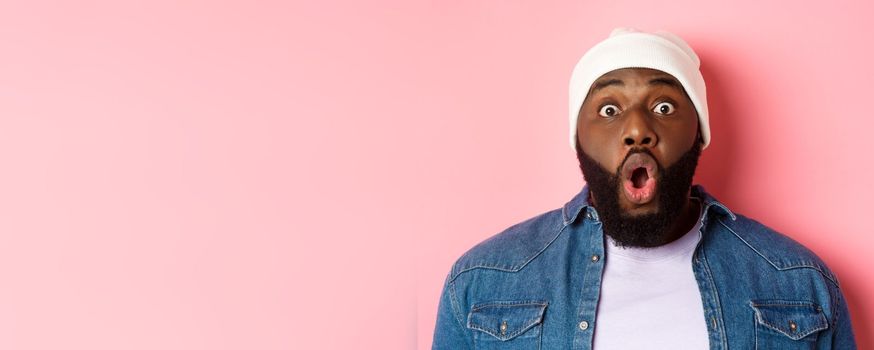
(507, 324)
(784, 324)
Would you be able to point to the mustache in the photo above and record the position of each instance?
(633, 151)
(644, 230)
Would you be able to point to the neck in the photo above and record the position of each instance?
(686, 221)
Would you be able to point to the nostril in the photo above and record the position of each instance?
(629, 141)
(646, 141)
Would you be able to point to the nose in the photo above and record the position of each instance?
(638, 131)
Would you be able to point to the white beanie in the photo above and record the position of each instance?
(630, 48)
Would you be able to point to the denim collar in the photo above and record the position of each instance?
(580, 203)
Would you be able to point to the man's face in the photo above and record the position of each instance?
(638, 135)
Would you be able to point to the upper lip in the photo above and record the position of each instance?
(639, 160)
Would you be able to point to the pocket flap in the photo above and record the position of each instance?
(794, 319)
(506, 319)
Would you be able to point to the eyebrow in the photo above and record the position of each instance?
(605, 83)
(666, 82)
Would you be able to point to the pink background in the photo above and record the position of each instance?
(233, 175)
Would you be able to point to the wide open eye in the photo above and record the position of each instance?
(665, 108)
(608, 111)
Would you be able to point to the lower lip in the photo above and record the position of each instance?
(641, 195)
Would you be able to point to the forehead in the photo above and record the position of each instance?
(626, 77)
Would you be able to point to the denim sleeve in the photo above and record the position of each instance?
(842, 337)
(449, 333)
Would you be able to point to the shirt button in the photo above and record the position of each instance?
(595, 258)
(584, 325)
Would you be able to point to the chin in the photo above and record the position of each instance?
(636, 212)
(634, 209)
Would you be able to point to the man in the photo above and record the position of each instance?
(640, 258)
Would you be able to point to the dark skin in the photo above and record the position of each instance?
(639, 107)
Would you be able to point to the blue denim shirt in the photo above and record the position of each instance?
(536, 286)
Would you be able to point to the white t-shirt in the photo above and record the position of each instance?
(650, 299)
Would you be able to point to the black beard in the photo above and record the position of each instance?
(644, 230)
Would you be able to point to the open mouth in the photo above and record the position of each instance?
(639, 178)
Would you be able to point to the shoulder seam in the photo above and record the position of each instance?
(514, 268)
(778, 268)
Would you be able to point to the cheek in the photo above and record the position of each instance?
(599, 143)
(594, 147)
(677, 139)
(691, 133)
